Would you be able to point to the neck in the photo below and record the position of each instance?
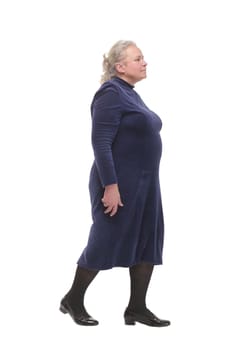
(129, 81)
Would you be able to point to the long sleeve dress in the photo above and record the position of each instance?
(127, 150)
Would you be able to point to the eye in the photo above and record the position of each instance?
(139, 58)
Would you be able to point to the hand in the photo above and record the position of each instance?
(111, 199)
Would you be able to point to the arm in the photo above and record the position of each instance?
(106, 116)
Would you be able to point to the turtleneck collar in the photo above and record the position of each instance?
(123, 82)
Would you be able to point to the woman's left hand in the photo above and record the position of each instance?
(111, 199)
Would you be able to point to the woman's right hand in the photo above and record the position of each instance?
(111, 199)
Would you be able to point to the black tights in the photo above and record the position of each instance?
(140, 276)
(83, 277)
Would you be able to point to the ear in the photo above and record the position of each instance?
(120, 67)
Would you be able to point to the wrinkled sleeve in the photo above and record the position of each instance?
(106, 117)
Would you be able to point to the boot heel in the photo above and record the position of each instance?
(63, 309)
(129, 321)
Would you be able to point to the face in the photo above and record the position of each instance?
(133, 67)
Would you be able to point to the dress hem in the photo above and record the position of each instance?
(118, 265)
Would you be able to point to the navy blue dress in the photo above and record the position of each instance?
(127, 149)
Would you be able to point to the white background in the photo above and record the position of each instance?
(51, 56)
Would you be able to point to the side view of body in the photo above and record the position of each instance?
(128, 227)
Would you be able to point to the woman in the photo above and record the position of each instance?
(127, 227)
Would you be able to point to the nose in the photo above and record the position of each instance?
(144, 63)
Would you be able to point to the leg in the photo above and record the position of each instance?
(137, 311)
(140, 276)
(73, 302)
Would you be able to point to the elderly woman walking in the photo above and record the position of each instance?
(127, 228)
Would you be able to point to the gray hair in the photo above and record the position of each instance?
(115, 54)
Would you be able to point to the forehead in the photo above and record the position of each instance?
(132, 52)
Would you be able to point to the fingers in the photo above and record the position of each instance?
(111, 208)
(120, 203)
(111, 205)
(104, 203)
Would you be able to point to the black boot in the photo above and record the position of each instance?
(73, 302)
(137, 311)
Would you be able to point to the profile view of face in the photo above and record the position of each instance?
(133, 66)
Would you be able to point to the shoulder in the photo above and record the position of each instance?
(108, 93)
(109, 87)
